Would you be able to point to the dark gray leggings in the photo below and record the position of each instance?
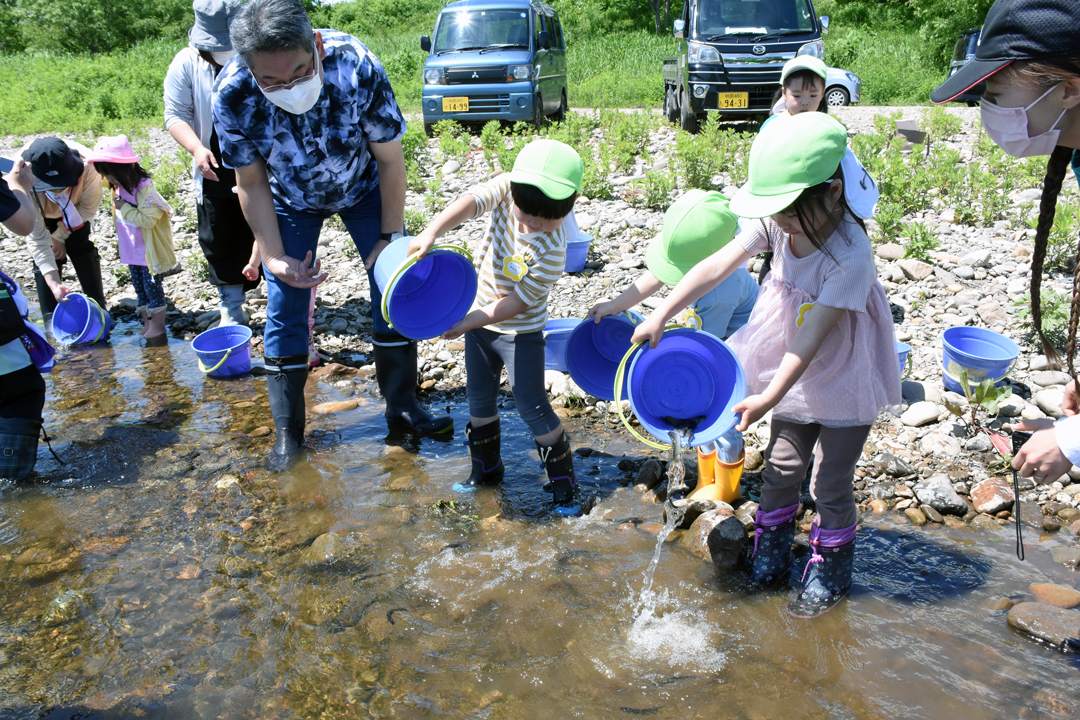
(787, 456)
(486, 354)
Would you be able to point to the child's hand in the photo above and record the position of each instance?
(601, 310)
(420, 244)
(460, 328)
(752, 409)
(251, 271)
(652, 329)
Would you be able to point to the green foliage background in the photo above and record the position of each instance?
(97, 66)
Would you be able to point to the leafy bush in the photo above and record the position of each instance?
(920, 241)
(1061, 245)
(491, 140)
(1055, 315)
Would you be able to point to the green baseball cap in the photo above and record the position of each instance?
(550, 165)
(803, 62)
(790, 154)
(695, 226)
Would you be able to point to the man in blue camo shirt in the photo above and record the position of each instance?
(309, 121)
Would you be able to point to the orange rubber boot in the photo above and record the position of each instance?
(725, 485)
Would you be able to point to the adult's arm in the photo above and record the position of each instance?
(20, 181)
(257, 202)
(391, 161)
(185, 135)
(180, 113)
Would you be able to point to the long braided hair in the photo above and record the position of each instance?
(1049, 73)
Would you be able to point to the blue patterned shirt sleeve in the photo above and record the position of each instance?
(319, 160)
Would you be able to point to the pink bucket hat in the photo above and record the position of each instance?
(114, 149)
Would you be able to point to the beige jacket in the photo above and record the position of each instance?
(86, 196)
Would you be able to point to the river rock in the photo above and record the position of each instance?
(915, 515)
(333, 407)
(890, 251)
(1067, 556)
(878, 506)
(649, 476)
(921, 413)
(941, 444)
(892, 466)
(1060, 596)
(746, 514)
(992, 314)
(992, 495)
(917, 391)
(1049, 401)
(1047, 378)
(67, 606)
(1050, 624)
(915, 269)
(717, 537)
(932, 515)
(937, 492)
(322, 550)
(976, 259)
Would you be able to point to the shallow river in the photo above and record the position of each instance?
(161, 574)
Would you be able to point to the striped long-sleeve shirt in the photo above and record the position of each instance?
(509, 261)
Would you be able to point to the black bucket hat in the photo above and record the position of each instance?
(54, 164)
(1016, 30)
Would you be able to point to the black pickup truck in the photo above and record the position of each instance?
(731, 53)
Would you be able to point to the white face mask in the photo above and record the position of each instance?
(1008, 127)
(302, 96)
(223, 56)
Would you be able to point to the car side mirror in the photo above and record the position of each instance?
(679, 29)
(824, 20)
(544, 40)
(425, 43)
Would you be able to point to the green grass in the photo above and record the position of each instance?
(896, 67)
(618, 70)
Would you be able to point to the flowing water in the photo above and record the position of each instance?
(161, 574)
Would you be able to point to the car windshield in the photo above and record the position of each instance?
(480, 29)
(716, 19)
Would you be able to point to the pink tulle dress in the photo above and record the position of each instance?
(856, 373)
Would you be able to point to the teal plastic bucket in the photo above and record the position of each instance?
(984, 354)
(902, 351)
(423, 299)
(556, 333)
(224, 351)
(79, 320)
(690, 379)
(595, 349)
(577, 253)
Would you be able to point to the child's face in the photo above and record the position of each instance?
(803, 97)
(536, 224)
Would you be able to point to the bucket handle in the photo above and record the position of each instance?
(102, 330)
(618, 394)
(956, 378)
(909, 365)
(220, 362)
(408, 263)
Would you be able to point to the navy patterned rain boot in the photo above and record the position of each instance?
(484, 449)
(774, 532)
(559, 464)
(827, 578)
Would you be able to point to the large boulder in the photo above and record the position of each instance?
(717, 537)
(992, 495)
(937, 492)
(1050, 624)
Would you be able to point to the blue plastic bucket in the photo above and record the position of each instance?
(690, 375)
(224, 351)
(984, 354)
(594, 351)
(79, 320)
(577, 252)
(556, 333)
(423, 299)
(902, 350)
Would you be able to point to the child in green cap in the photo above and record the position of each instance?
(520, 257)
(818, 350)
(697, 225)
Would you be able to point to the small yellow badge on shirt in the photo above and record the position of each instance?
(514, 267)
(691, 319)
(803, 309)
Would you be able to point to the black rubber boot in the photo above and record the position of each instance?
(46, 299)
(773, 534)
(395, 369)
(559, 465)
(484, 445)
(827, 578)
(285, 382)
(88, 269)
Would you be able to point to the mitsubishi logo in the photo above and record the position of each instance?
(759, 50)
(475, 76)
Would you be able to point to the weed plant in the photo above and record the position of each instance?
(919, 242)
(1055, 314)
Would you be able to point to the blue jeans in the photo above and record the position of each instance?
(287, 307)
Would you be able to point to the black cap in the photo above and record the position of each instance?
(1017, 30)
(54, 164)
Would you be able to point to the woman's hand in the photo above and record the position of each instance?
(652, 329)
(59, 290)
(751, 410)
(295, 273)
(601, 310)
(1040, 458)
(206, 162)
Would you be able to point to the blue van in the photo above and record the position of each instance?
(495, 60)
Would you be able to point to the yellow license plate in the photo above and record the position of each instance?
(460, 104)
(728, 101)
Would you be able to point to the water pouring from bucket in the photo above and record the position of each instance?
(80, 320)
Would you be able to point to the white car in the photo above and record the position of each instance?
(842, 87)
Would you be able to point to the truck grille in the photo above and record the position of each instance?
(481, 74)
(489, 103)
(760, 82)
